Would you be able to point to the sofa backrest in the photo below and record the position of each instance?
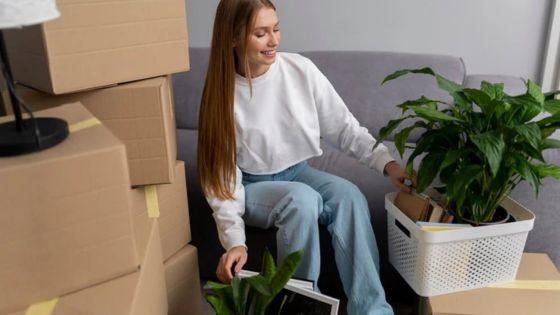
(356, 76)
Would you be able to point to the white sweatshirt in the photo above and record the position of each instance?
(292, 106)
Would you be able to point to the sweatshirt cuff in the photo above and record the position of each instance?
(233, 240)
(382, 158)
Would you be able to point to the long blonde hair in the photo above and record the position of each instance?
(216, 126)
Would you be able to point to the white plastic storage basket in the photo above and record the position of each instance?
(439, 262)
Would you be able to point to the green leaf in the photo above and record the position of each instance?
(428, 169)
(535, 92)
(218, 305)
(492, 146)
(421, 101)
(480, 98)
(432, 114)
(546, 170)
(495, 91)
(210, 285)
(531, 132)
(269, 266)
(400, 139)
(552, 106)
(400, 73)
(448, 85)
(451, 157)
(458, 184)
(261, 284)
(390, 127)
(550, 144)
(527, 172)
(285, 271)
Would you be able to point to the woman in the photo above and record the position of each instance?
(262, 115)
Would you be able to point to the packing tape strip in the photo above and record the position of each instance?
(84, 124)
(43, 308)
(530, 285)
(152, 201)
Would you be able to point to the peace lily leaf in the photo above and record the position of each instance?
(535, 92)
(550, 144)
(451, 157)
(525, 169)
(552, 106)
(492, 146)
(531, 132)
(400, 73)
(546, 170)
(428, 170)
(432, 114)
(495, 91)
(458, 184)
(421, 101)
(391, 126)
(400, 139)
(481, 99)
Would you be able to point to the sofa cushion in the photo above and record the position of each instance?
(357, 77)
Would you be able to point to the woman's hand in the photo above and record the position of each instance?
(398, 176)
(235, 255)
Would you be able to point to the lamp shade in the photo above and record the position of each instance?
(18, 13)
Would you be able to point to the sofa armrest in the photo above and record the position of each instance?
(512, 85)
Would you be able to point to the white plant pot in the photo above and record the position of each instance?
(440, 262)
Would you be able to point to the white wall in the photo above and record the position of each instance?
(492, 36)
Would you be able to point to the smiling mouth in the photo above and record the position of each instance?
(269, 52)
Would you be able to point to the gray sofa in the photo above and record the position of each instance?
(357, 77)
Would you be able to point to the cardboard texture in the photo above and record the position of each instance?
(183, 283)
(140, 293)
(65, 222)
(97, 43)
(414, 206)
(497, 301)
(140, 114)
(173, 220)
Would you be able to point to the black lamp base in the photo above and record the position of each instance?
(15, 142)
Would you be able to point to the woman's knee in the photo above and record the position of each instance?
(303, 203)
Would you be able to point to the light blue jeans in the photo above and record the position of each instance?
(295, 201)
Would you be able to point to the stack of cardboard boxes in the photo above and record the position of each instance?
(99, 223)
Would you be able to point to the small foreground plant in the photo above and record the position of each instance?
(252, 295)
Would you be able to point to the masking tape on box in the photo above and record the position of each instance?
(530, 285)
(152, 201)
(43, 308)
(84, 124)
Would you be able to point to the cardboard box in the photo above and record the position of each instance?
(496, 301)
(140, 293)
(97, 43)
(65, 222)
(183, 283)
(170, 201)
(140, 114)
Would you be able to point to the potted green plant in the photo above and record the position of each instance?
(252, 295)
(480, 145)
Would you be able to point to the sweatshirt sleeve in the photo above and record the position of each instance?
(340, 127)
(228, 215)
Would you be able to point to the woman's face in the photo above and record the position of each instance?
(262, 43)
